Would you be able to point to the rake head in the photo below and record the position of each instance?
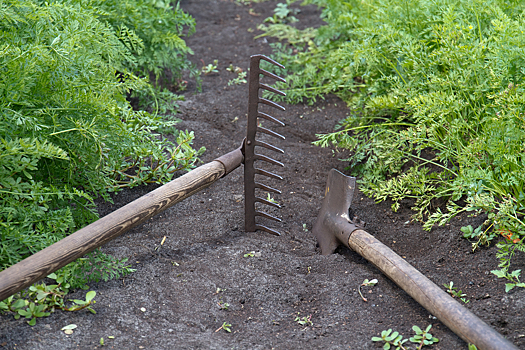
(250, 185)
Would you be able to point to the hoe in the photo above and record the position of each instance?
(334, 226)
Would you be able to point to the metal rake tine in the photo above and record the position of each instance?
(270, 118)
(271, 103)
(271, 75)
(268, 59)
(268, 174)
(268, 159)
(266, 188)
(269, 88)
(270, 132)
(268, 146)
(265, 201)
(254, 101)
(266, 229)
(268, 216)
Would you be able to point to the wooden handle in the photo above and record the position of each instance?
(87, 239)
(454, 315)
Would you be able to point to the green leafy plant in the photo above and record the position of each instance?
(304, 321)
(233, 69)
(366, 283)
(210, 68)
(67, 132)
(226, 326)
(436, 100)
(250, 254)
(40, 300)
(270, 199)
(282, 14)
(152, 30)
(421, 338)
(513, 277)
(223, 305)
(241, 79)
(455, 292)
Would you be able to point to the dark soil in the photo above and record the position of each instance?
(201, 264)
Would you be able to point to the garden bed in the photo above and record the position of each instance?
(205, 274)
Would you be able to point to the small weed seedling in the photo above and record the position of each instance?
(219, 290)
(226, 326)
(282, 14)
(241, 79)
(269, 198)
(40, 300)
(250, 254)
(513, 277)
(210, 68)
(304, 321)
(223, 305)
(233, 69)
(455, 292)
(366, 283)
(304, 228)
(421, 338)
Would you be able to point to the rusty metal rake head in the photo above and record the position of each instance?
(250, 143)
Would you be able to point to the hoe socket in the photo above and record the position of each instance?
(333, 225)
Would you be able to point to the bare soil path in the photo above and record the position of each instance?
(173, 300)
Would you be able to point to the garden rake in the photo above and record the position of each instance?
(100, 232)
(250, 185)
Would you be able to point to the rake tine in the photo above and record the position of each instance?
(266, 188)
(265, 201)
(270, 118)
(250, 143)
(271, 103)
(269, 88)
(268, 146)
(271, 75)
(268, 174)
(270, 132)
(268, 160)
(266, 229)
(268, 216)
(268, 59)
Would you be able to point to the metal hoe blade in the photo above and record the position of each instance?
(250, 143)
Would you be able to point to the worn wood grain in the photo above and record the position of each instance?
(85, 240)
(440, 304)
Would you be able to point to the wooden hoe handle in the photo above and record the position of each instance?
(333, 227)
(449, 311)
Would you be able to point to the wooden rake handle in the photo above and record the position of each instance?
(87, 239)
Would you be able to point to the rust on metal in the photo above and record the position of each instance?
(250, 156)
(333, 225)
